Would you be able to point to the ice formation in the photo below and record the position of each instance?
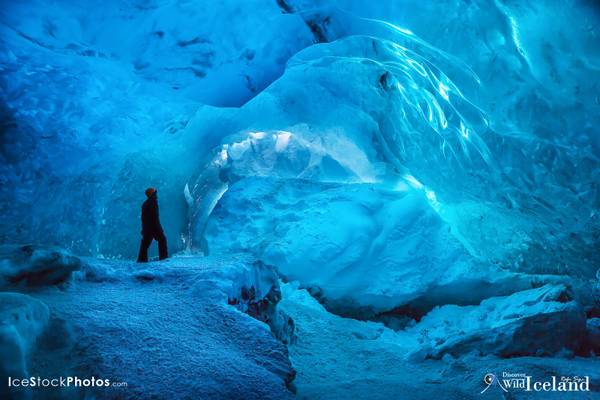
(421, 176)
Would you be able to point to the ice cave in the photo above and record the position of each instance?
(384, 199)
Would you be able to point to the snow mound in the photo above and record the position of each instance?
(515, 325)
(35, 265)
(247, 284)
(22, 319)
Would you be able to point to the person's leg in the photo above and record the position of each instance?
(144, 244)
(162, 246)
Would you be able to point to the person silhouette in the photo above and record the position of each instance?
(151, 227)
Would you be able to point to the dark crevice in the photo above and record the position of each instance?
(316, 23)
(196, 40)
(318, 27)
(285, 7)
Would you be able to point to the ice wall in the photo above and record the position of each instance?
(489, 109)
(95, 100)
(539, 78)
(501, 134)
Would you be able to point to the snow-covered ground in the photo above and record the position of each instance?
(221, 327)
(365, 360)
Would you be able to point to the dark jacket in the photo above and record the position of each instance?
(150, 221)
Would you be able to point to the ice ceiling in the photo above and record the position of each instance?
(308, 132)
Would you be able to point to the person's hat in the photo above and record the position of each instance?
(150, 191)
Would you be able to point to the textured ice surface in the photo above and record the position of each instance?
(402, 121)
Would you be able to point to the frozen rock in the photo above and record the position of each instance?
(537, 322)
(35, 265)
(258, 297)
(22, 320)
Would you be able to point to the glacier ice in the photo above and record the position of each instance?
(90, 108)
(432, 166)
(450, 138)
(360, 141)
(501, 129)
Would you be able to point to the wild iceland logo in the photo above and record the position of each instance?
(519, 381)
(491, 380)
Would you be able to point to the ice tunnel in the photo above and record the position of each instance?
(409, 173)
